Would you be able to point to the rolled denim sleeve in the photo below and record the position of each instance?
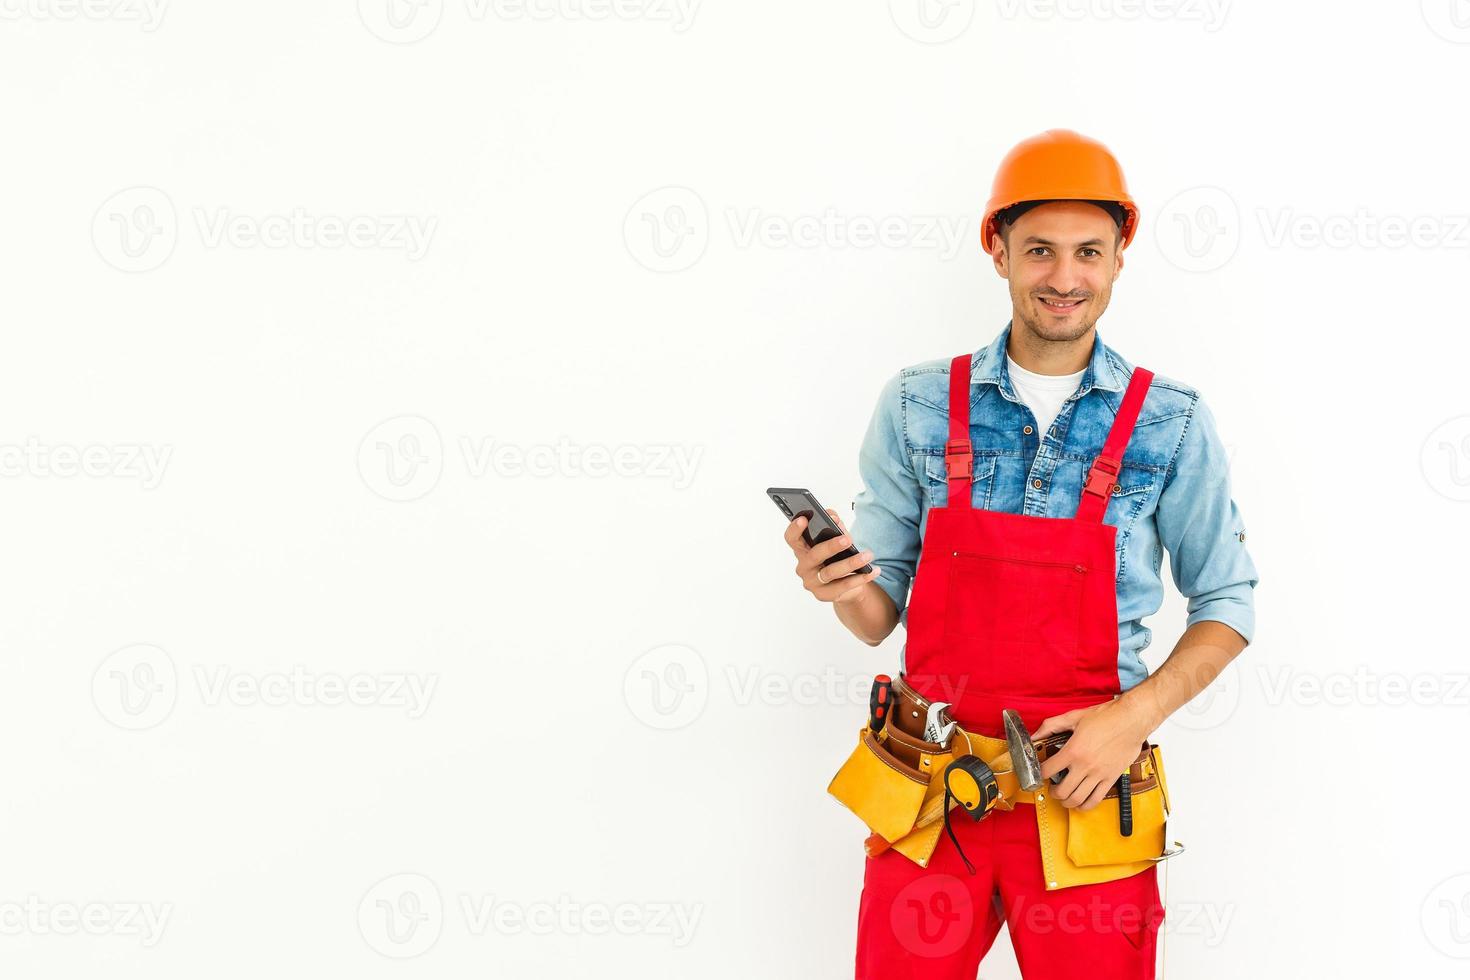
(1202, 530)
(886, 511)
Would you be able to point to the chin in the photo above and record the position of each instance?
(1049, 326)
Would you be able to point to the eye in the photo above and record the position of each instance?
(1038, 248)
(1093, 252)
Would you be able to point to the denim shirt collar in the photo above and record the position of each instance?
(988, 366)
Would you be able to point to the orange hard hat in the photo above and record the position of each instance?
(1058, 165)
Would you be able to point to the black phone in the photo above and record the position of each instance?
(796, 502)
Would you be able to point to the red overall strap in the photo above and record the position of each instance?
(958, 461)
(1099, 483)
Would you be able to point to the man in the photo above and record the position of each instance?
(1029, 591)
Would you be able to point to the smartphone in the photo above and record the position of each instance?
(797, 502)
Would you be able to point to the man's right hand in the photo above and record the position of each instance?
(838, 582)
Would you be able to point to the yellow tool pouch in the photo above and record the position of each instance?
(1080, 847)
(884, 790)
(893, 776)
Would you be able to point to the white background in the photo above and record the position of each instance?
(376, 462)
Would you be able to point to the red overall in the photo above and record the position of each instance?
(1010, 611)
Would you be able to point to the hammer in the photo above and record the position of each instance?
(1028, 768)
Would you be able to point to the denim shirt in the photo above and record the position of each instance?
(1173, 487)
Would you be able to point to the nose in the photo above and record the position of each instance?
(1066, 275)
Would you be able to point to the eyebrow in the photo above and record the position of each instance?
(1033, 240)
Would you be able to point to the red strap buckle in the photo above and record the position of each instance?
(1100, 477)
(957, 459)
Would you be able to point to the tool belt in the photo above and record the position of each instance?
(903, 788)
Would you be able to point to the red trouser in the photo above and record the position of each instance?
(1010, 611)
(936, 923)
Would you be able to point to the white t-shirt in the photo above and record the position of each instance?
(1043, 393)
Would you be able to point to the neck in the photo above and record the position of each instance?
(1042, 356)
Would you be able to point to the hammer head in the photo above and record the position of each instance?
(1024, 760)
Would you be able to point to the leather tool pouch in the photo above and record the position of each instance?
(891, 773)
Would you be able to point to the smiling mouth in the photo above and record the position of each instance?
(1060, 305)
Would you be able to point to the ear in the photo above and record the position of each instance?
(1118, 268)
(1000, 258)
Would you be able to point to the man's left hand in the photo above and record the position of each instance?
(1105, 741)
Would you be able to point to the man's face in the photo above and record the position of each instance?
(1060, 259)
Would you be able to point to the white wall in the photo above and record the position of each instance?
(255, 418)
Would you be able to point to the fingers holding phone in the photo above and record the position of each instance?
(829, 567)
